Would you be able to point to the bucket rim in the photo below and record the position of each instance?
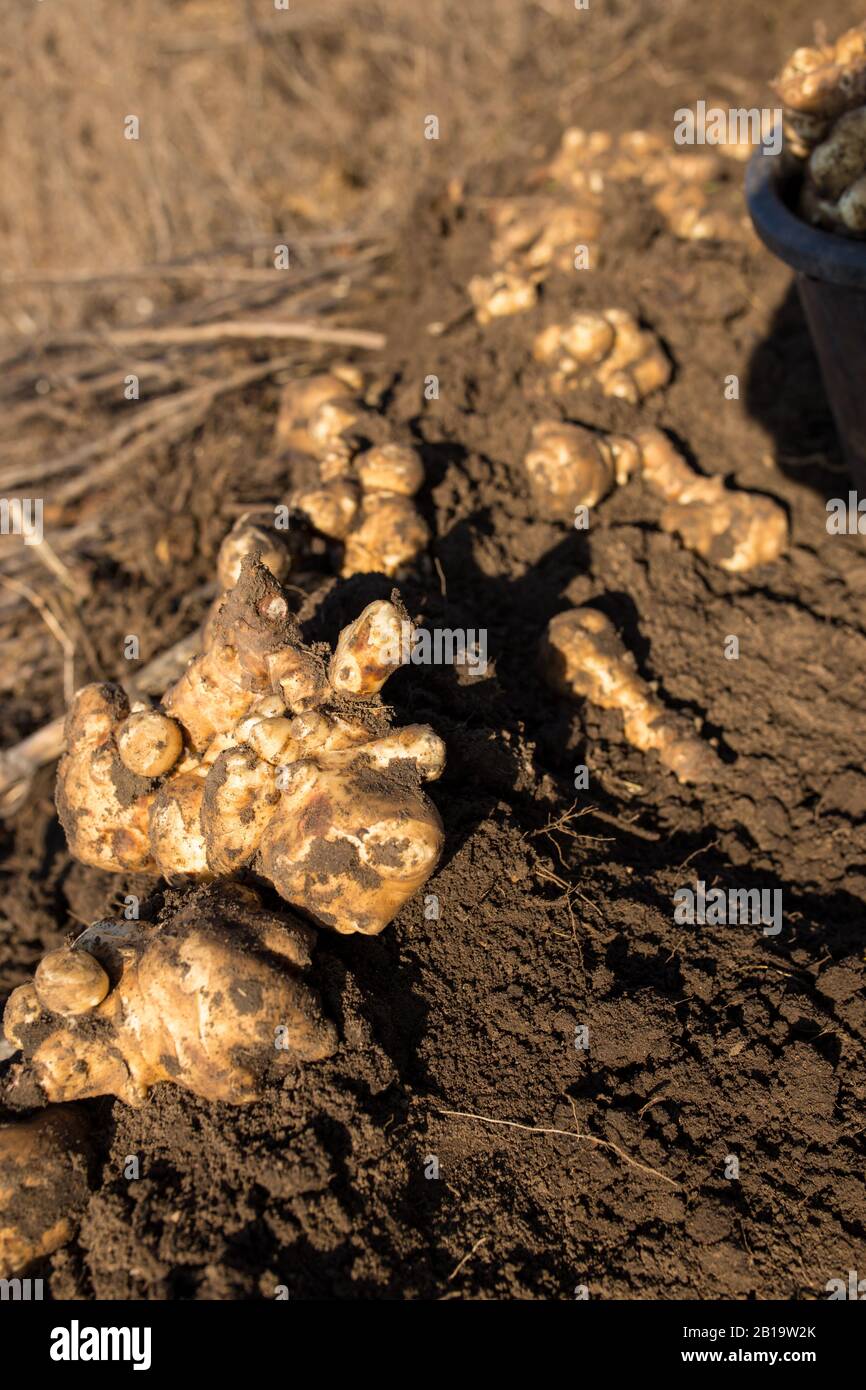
(819, 254)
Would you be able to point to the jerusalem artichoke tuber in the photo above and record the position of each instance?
(609, 347)
(347, 838)
(44, 1161)
(569, 466)
(358, 495)
(582, 655)
(823, 90)
(210, 997)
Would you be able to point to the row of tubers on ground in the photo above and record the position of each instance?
(264, 757)
(356, 494)
(569, 466)
(268, 760)
(823, 92)
(540, 232)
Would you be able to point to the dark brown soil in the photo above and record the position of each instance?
(704, 1041)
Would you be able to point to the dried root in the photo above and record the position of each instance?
(267, 759)
(583, 656)
(210, 997)
(569, 466)
(823, 91)
(608, 347)
(44, 1162)
(355, 494)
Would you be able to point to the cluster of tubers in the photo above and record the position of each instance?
(569, 466)
(262, 756)
(823, 92)
(535, 234)
(357, 494)
(583, 656)
(210, 997)
(276, 760)
(681, 182)
(607, 346)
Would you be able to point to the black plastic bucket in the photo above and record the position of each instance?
(831, 280)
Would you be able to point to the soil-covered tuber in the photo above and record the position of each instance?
(733, 529)
(211, 997)
(44, 1161)
(568, 466)
(289, 767)
(606, 346)
(501, 294)
(684, 184)
(823, 90)
(358, 495)
(582, 655)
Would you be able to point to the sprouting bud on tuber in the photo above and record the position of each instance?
(583, 656)
(70, 982)
(44, 1187)
(197, 999)
(149, 743)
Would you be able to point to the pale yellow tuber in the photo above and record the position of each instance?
(582, 655)
(369, 507)
(570, 466)
(684, 183)
(211, 997)
(44, 1161)
(501, 294)
(606, 346)
(103, 807)
(736, 530)
(327, 805)
(823, 90)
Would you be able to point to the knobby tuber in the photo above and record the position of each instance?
(503, 293)
(211, 997)
(823, 91)
(609, 347)
(569, 466)
(582, 655)
(359, 495)
(533, 235)
(682, 182)
(281, 764)
(44, 1161)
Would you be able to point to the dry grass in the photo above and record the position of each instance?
(254, 123)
